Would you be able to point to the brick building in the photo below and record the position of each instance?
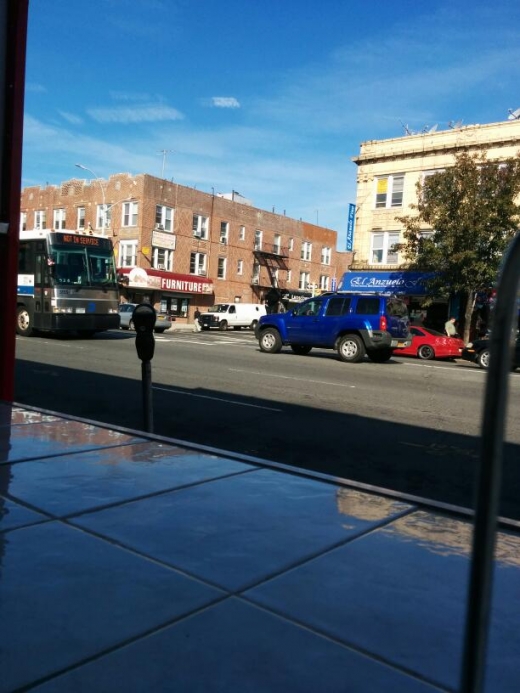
(181, 249)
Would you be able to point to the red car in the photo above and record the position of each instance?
(430, 344)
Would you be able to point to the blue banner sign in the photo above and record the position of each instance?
(404, 283)
(350, 226)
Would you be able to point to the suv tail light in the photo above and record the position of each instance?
(382, 323)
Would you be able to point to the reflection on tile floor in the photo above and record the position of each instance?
(130, 564)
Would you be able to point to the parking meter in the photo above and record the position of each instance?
(143, 318)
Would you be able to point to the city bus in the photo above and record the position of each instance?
(67, 282)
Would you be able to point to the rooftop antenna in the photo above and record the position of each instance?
(406, 128)
(455, 126)
(513, 115)
(164, 152)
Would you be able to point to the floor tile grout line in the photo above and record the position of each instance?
(347, 645)
(147, 557)
(128, 642)
(108, 506)
(82, 451)
(361, 534)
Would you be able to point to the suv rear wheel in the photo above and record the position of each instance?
(270, 341)
(351, 348)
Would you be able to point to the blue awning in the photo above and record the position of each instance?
(403, 283)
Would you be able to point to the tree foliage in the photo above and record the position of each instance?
(473, 211)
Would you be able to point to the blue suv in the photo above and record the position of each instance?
(352, 324)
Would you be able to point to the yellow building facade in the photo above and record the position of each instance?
(389, 170)
(387, 177)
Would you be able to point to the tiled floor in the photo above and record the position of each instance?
(130, 563)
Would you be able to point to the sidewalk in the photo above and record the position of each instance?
(129, 562)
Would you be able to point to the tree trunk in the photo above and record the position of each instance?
(470, 305)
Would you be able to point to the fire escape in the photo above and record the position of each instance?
(273, 258)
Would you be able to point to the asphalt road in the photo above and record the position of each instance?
(408, 425)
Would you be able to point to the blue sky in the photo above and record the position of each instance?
(270, 98)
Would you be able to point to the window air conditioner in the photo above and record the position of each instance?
(197, 233)
(159, 227)
(161, 267)
(201, 272)
(223, 240)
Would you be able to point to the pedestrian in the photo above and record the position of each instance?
(450, 327)
(197, 327)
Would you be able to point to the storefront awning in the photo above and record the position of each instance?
(157, 280)
(403, 283)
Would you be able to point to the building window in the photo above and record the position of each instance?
(383, 248)
(325, 256)
(258, 240)
(221, 268)
(291, 243)
(198, 263)
(289, 276)
(200, 227)
(163, 259)
(305, 280)
(103, 216)
(324, 282)
(128, 254)
(129, 217)
(23, 221)
(256, 273)
(240, 267)
(389, 191)
(80, 218)
(40, 219)
(277, 246)
(224, 232)
(306, 253)
(242, 233)
(59, 219)
(164, 218)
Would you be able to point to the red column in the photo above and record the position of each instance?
(13, 38)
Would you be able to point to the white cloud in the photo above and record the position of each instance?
(224, 102)
(71, 118)
(35, 88)
(138, 114)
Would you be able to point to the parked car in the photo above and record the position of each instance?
(429, 344)
(478, 352)
(235, 315)
(163, 322)
(352, 324)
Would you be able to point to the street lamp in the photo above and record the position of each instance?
(103, 194)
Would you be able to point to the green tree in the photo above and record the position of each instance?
(473, 212)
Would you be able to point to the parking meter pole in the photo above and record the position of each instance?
(146, 375)
(144, 317)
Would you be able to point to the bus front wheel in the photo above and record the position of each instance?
(23, 322)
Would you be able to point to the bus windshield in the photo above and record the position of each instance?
(88, 263)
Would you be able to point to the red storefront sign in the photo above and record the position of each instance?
(140, 278)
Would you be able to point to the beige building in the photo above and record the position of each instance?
(181, 249)
(388, 172)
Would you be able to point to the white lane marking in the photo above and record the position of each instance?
(290, 377)
(216, 399)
